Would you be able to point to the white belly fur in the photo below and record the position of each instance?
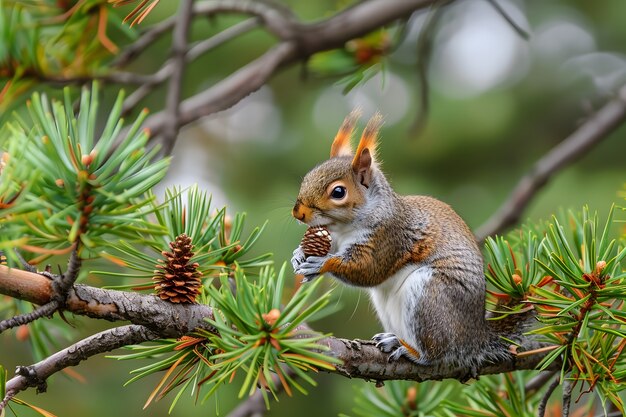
(390, 299)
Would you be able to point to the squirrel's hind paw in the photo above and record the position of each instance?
(396, 347)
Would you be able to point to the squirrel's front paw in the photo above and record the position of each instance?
(298, 258)
(310, 268)
(390, 343)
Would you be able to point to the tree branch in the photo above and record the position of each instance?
(194, 52)
(516, 27)
(593, 131)
(179, 50)
(37, 374)
(229, 91)
(361, 358)
(568, 386)
(168, 319)
(273, 16)
(60, 284)
(425, 43)
(131, 52)
(298, 42)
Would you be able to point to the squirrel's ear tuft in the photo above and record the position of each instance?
(341, 144)
(369, 141)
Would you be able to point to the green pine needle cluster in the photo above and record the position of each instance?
(259, 340)
(570, 273)
(77, 185)
(70, 181)
(492, 396)
(38, 42)
(218, 240)
(499, 395)
(402, 398)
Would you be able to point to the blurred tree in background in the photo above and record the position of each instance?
(484, 101)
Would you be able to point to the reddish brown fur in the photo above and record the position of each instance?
(341, 144)
(369, 139)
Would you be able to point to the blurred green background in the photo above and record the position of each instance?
(498, 103)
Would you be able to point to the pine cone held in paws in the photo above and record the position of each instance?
(316, 241)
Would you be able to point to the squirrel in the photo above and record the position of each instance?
(416, 257)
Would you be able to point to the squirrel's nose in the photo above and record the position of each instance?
(299, 211)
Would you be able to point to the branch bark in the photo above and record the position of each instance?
(37, 374)
(174, 91)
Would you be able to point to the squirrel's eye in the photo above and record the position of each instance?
(338, 193)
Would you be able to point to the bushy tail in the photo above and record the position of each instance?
(508, 332)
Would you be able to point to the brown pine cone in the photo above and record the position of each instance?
(316, 241)
(176, 278)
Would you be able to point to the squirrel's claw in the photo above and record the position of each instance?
(390, 343)
(298, 258)
(386, 342)
(310, 268)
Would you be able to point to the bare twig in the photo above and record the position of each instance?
(24, 262)
(45, 310)
(597, 128)
(541, 408)
(536, 383)
(62, 283)
(194, 52)
(273, 16)
(424, 54)
(229, 91)
(516, 27)
(37, 374)
(568, 386)
(143, 42)
(117, 77)
(179, 49)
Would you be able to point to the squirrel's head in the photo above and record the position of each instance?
(333, 191)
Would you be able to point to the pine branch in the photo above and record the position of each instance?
(361, 358)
